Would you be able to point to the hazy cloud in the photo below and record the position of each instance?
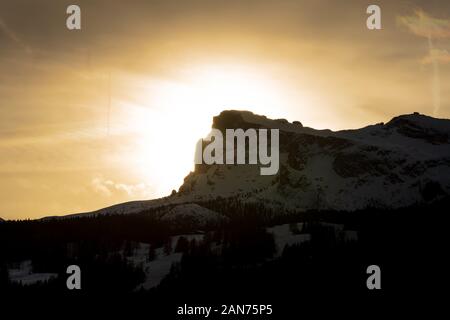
(439, 55)
(424, 25)
(109, 188)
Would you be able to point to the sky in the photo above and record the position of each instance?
(111, 113)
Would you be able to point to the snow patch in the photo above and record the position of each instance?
(24, 274)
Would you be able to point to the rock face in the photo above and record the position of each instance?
(403, 162)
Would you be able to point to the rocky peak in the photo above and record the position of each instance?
(417, 126)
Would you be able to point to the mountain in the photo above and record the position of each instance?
(403, 162)
(2, 220)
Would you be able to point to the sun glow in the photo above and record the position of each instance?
(176, 113)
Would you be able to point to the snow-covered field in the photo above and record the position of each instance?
(159, 267)
(283, 236)
(24, 274)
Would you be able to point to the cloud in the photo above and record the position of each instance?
(441, 56)
(423, 25)
(109, 188)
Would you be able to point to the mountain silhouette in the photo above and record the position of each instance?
(403, 162)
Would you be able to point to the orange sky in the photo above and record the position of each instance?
(166, 67)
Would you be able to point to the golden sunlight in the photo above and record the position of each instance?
(178, 112)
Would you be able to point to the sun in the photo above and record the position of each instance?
(177, 112)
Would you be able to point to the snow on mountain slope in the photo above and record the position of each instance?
(121, 208)
(403, 162)
(156, 269)
(192, 213)
(283, 236)
(294, 234)
(159, 267)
